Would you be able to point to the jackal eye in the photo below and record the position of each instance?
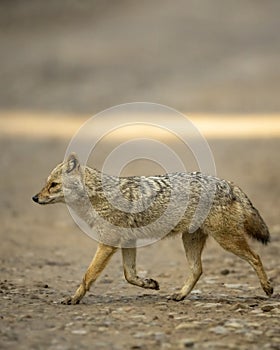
(53, 184)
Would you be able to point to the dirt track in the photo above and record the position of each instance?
(44, 255)
(82, 57)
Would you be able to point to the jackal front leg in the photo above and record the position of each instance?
(129, 266)
(100, 260)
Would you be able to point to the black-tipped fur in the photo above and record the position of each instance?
(253, 222)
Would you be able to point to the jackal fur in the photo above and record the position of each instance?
(230, 219)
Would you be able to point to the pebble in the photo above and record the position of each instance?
(34, 296)
(24, 316)
(186, 343)
(140, 317)
(185, 325)
(181, 317)
(210, 280)
(235, 285)
(79, 331)
(238, 307)
(78, 318)
(219, 330)
(234, 324)
(267, 308)
(211, 305)
(254, 324)
(160, 336)
(196, 291)
(257, 332)
(141, 335)
(257, 311)
(271, 333)
(106, 281)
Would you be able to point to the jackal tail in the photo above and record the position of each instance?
(253, 222)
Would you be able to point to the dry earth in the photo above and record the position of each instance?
(44, 255)
(85, 56)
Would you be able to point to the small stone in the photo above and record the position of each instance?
(160, 336)
(235, 285)
(127, 308)
(184, 325)
(233, 324)
(225, 272)
(219, 330)
(106, 280)
(196, 291)
(211, 305)
(267, 308)
(79, 331)
(4, 287)
(78, 318)
(187, 343)
(184, 317)
(139, 317)
(253, 304)
(257, 311)
(25, 316)
(141, 335)
(238, 306)
(164, 275)
(34, 296)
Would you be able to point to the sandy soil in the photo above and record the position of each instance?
(82, 57)
(44, 255)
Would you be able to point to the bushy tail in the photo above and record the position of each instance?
(254, 224)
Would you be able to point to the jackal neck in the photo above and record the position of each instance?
(92, 181)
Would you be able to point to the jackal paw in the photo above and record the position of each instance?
(268, 290)
(177, 296)
(70, 301)
(150, 284)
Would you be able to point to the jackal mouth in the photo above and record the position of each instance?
(37, 200)
(45, 203)
(49, 201)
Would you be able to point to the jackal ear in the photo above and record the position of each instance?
(72, 163)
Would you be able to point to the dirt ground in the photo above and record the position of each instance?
(82, 57)
(44, 255)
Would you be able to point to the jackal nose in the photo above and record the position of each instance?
(36, 198)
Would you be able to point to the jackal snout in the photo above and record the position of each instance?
(36, 198)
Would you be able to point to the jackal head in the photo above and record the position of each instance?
(65, 183)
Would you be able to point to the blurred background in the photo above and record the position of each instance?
(195, 55)
(218, 62)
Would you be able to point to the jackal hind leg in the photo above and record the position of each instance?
(193, 244)
(129, 266)
(99, 262)
(237, 244)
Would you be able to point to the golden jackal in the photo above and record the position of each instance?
(230, 218)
